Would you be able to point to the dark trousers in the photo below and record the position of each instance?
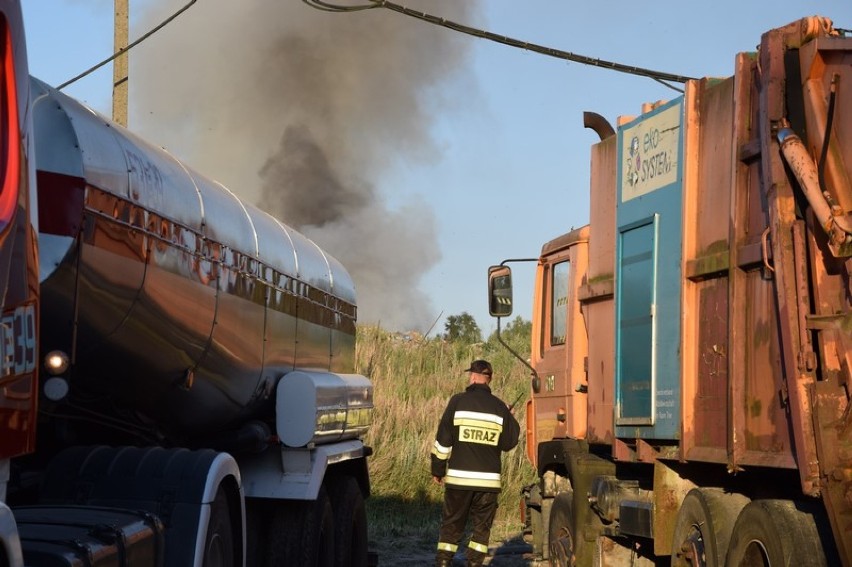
(459, 505)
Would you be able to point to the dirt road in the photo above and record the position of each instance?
(512, 553)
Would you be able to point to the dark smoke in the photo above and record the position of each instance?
(300, 184)
(305, 113)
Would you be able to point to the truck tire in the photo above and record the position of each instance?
(350, 523)
(775, 532)
(219, 542)
(703, 527)
(561, 537)
(302, 533)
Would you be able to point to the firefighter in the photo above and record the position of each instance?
(475, 428)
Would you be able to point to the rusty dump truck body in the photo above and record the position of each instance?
(693, 344)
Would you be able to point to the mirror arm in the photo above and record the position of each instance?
(536, 379)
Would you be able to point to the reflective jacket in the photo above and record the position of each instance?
(475, 428)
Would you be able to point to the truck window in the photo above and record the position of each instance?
(559, 303)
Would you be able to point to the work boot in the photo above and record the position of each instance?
(444, 559)
(475, 559)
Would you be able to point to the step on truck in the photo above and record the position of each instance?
(177, 382)
(692, 346)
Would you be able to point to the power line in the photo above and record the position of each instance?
(659, 76)
(328, 7)
(128, 48)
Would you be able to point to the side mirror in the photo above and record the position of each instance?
(500, 291)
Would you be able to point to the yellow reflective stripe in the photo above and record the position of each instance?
(474, 474)
(447, 547)
(478, 547)
(474, 483)
(441, 452)
(477, 416)
(472, 478)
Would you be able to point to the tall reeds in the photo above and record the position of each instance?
(413, 378)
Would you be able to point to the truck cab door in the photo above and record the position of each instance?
(560, 342)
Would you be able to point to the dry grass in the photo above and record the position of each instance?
(413, 379)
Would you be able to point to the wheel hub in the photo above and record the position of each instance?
(692, 550)
(562, 550)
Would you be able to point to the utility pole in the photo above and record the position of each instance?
(119, 65)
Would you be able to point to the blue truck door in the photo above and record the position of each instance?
(635, 349)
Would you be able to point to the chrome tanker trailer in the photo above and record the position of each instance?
(190, 356)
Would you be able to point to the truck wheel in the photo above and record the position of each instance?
(561, 534)
(703, 527)
(302, 533)
(775, 532)
(350, 523)
(219, 543)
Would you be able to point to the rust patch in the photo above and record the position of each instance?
(755, 408)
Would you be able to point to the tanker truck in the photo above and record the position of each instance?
(177, 383)
(692, 345)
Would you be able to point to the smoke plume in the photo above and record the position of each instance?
(304, 113)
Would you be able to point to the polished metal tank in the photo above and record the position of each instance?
(181, 305)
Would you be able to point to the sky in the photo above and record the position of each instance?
(416, 155)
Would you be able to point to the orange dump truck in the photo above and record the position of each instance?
(692, 346)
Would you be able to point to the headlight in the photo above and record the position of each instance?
(56, 362)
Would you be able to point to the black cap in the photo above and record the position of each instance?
(480, 367)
